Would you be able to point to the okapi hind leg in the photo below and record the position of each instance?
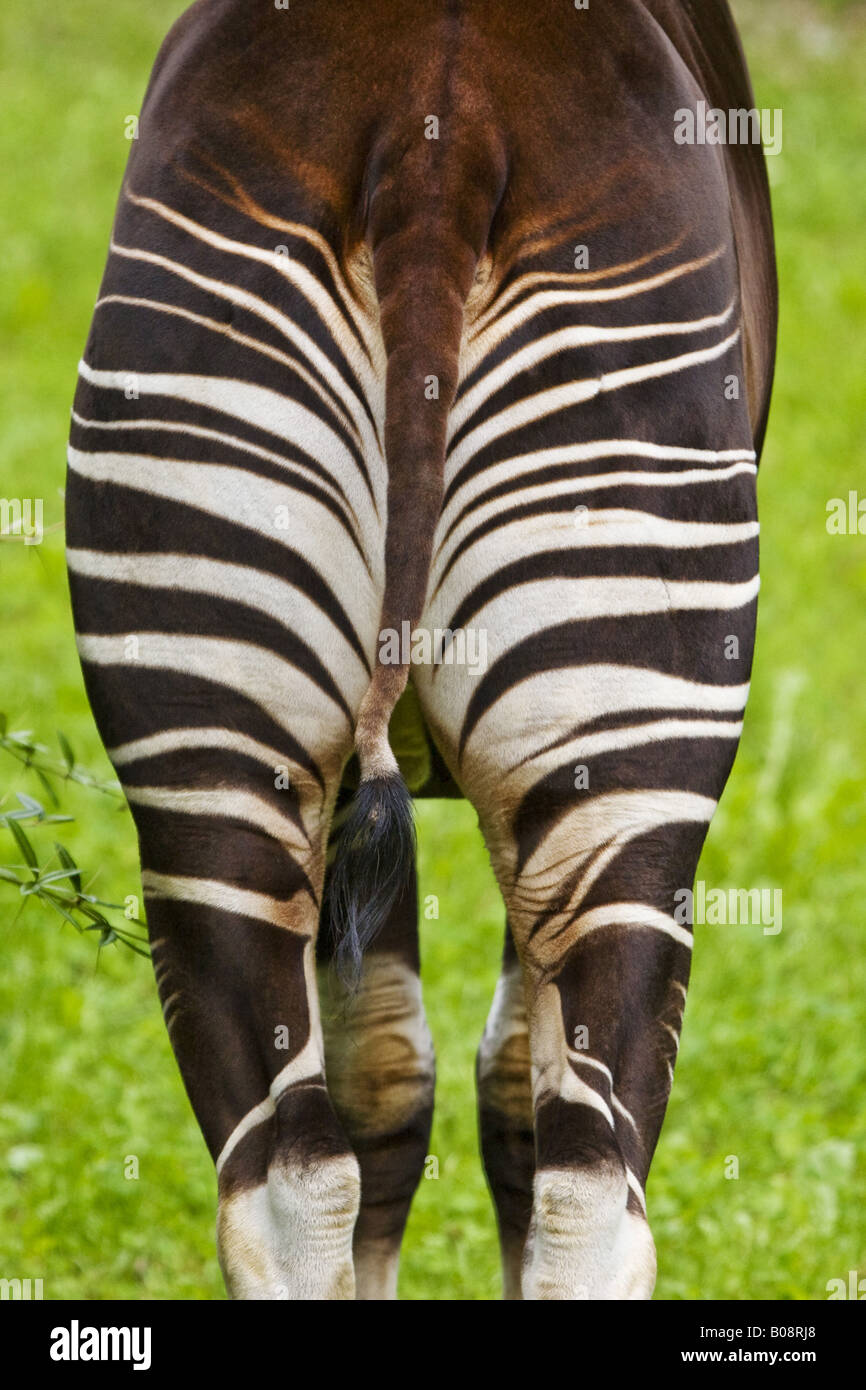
(232, 869)
(381, 1074)
(605, 967)
(237, 983)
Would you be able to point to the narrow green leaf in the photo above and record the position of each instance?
(139, 951)
(66, 750)
(95, 917)
(56, 874)
(47, 787)
(68, 863)
(24, 845)
(52, 902)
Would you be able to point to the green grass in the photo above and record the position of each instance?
(772, 1067)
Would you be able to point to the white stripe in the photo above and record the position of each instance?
(511, 617)
(168, 740)
(307, 1064)
(233, 805)
(591, 836)
(533, 408)
(260, 1112)
(285, 359)
(582, 1059)
(564, 339)
(159, 970)
(559, 530)
(631, 915)
(566, 695)
(168, 1003)
(536, 764)
(290, 697)
(331, 313)
(246, 501)
(209, 892)
(501, 328)
(578, 1092)
(635, 735)
(577, 1055)
(626, 1114)
(636, 1188)
(313, 354)
(259, 406)
(572, 486)
(255, 588)
(242, 445)
(572, 278)
(310, 793)
(506, 470)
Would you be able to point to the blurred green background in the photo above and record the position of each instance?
(772, 1067)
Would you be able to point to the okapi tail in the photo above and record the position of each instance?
(429, 211)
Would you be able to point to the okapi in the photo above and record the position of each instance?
(418, 322)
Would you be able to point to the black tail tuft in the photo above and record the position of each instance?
(374, 861)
